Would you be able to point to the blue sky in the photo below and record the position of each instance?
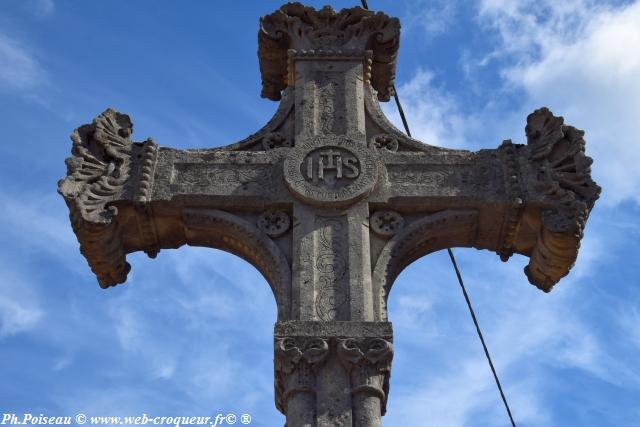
(190, 333)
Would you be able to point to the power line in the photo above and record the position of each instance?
(457, 270)
(484, 345)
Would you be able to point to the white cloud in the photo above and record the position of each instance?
(16, 316)
(40, 222)
(19, 70)
(432, 17)
(581, 59)
(20, 310)
(532, 336)
(432, 113)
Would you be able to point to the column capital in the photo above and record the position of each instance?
(332, 373)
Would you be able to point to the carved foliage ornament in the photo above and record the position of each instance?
(564, 178)
(296, 360)
(565, 170)
(295, 26)
(368, 360)
(96, 175)
(99, 166)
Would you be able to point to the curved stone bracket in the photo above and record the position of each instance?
(222, 230)
(97, 173)
(561, 175)
(385, 136)
(272, 135)
(440, 230)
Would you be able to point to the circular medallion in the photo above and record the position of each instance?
(274, 223)
(386, 223)
(330, 170)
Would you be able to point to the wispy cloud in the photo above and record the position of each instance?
(432, 17)
(16, 316)
(432, 112)
(19, 69)
(39, 221)
(20, 310)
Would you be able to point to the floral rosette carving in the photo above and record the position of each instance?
(564, 180)
(96, 174)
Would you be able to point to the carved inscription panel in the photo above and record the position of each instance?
(331, 167)
(330, 170)
(211, 178)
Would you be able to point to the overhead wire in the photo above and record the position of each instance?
(458, 275)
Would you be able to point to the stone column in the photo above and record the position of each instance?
(332, 374)
(297, 359)
(368, 361)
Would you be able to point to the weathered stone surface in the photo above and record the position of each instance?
(333, 372)
(330, 203)
(330, 35)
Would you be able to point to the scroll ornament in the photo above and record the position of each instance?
(296, 361)
(369, 363)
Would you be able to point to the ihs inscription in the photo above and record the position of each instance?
(330, 167)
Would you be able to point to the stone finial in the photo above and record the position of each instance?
(298, 27)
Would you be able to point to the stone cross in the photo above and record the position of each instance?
(330, 202)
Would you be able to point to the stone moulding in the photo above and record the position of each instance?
(440, 230)
(295, 26)
(218, 229)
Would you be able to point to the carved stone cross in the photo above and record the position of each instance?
(330, 202)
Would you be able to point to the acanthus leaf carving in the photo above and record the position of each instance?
(295, 26)
(368, 360)
(296, 361)
(96, 176)
(99, 166)
(564, 180)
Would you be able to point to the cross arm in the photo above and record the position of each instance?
(126, 196)
(531, 199)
